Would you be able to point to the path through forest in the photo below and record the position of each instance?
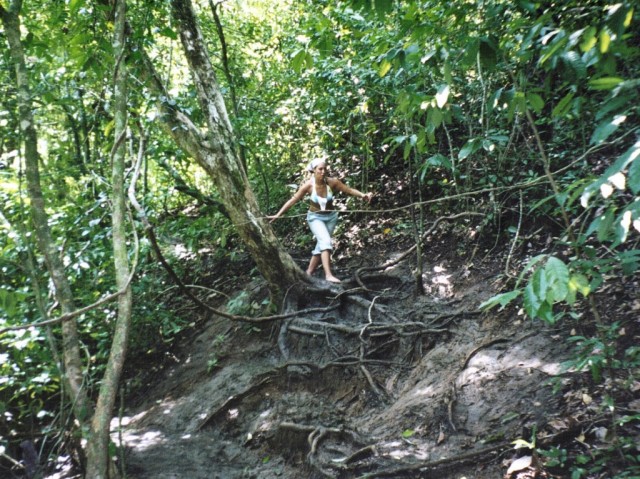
(383, 385)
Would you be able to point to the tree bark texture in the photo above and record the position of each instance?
(215, 152)
(99, 463)
(73, 375)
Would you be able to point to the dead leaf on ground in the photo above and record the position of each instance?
(519, 464)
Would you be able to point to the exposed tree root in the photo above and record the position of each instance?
(452, 394)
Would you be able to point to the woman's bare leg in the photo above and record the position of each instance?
(325, 256)
(313, 264)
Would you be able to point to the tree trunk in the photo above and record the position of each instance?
(73, 376)
(98, 461)
(215, 152)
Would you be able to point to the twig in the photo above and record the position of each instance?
(515, 240)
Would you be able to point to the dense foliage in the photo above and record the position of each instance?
(511, 108)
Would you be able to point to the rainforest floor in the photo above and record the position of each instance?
(380, 381)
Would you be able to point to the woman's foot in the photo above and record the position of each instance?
(310, 272)
(333, 279)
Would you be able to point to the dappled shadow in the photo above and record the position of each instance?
(387, 380)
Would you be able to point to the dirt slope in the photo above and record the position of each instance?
(386, 384)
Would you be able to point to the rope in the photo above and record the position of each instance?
(523, 185)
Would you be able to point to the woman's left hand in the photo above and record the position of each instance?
(367, 197)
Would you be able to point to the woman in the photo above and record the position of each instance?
(322, 218)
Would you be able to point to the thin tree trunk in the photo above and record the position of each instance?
(73, 376)
(227, 73)
(98, 461)
(215, 152)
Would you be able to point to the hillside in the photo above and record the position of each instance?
(386, 383)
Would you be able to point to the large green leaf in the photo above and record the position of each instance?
(74, 5)
(501, 299)
(578, 283)
(606, 128)
(563, 106)
(469, 148)
(557, 274)
(536, 102)
(605, 83)
(633, 178)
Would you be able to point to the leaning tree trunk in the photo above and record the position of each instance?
(73, 376)
(98, 460)
(215, 152)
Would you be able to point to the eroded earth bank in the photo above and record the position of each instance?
(371, 382)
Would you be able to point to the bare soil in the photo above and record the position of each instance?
(388, 383)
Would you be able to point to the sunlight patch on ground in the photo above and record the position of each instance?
(403, 449)
(143, 441)
(126, 420)
(486, 365)
(438, 283)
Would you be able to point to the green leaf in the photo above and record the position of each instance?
(605, 83)
(606, 224)
(74, 5)
(438, 160)
(619, 104)
(469, 148)
(589, 39)
(555, 46)
(633, 177)
(408, 433)
(563, 106)
(495, 100)
(488, 54)
(536, 102)
(502, 299)
(576, 63)
(606, 128)
(383, 69)
(605, 40)
(557, 274)
(434, 118)
(168, 32)
(81, 39)
(531, 301)
(530, 266)
(298, 60)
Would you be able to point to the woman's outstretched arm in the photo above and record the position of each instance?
(302, 191)
(347, 190)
